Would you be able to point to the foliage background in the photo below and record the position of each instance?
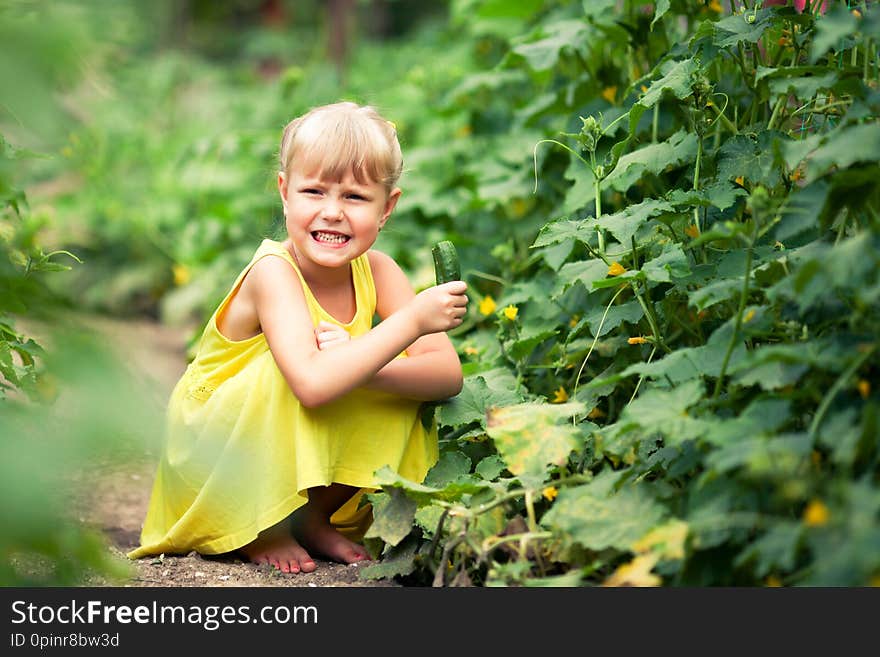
(667, 214)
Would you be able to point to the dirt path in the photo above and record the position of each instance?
(119, 493)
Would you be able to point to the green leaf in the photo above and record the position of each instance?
(529, 436)
(660, 8)
(671, 263)
(762, 417)
(388, 479)
(543, 53)
(734, 29)
(396, 560)
(692, 362)
(585, 272)
(665, 410)
(393, 515)
(490, 467)
(597, 517)
(750, 157)
(479, 393)
(626, 223)
(781, 454)
(844, 147)
(841, 433)
(630, 312)
(721, 290)
(836, 25)
(677, 79)
(775, 550)
(556, 231)
(678, 150)
(450, 467)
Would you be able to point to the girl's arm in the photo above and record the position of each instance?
(319, 376)
(432, 370)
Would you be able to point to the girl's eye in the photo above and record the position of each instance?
(311, 190)
(357, 197)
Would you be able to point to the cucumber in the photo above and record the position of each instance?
(446, 267)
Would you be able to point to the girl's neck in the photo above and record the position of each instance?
(317, 276)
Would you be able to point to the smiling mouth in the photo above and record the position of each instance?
(329, 237)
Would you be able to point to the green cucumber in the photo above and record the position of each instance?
(446, 267)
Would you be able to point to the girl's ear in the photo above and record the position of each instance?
(282, 189)
(390, 202)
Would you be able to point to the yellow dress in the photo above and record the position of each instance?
(241, 451)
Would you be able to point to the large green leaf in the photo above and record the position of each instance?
(543, 53)
(677, 79)
(531, 436)
(598, 517)
(392, 516)
(845, 147)
(630, 312)
(678, 150)
(480, 393)
(835, 25)
(665, 410)
(776, 550)
(738, 28)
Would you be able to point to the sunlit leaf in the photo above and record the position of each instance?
(531, 436)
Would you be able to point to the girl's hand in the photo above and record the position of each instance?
(440, 308)
(330, 335)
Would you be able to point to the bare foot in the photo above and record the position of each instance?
(320, 536)
(277, 547)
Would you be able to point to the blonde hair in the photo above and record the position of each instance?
(333, 139)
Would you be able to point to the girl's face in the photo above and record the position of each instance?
(332, 222)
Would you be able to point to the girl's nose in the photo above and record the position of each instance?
(332, 210)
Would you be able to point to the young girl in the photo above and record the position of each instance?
(294, 399)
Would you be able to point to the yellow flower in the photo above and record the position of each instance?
(692, 231)
(471, 351)
(772, 581)
(609, 93)
(715, 6)
(487, 305)
(550, 493)
(510, 312)
(616, 269)
(181, 274)
(739, 180)
(644, 88)
(856, 13)
(816, 514)
(749, 316)
(560, 396)
(637, 340)
(574, 321)
(864, 388)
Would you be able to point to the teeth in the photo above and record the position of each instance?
(334, 238)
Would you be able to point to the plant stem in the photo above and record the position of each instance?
(593, 346)
(743, 297)
(776, 109)
(835, 388)
(656, 119)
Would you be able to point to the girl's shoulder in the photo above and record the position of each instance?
(383, 268)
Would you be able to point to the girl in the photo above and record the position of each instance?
(293, 401)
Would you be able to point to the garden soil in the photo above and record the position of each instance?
(113, 497)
